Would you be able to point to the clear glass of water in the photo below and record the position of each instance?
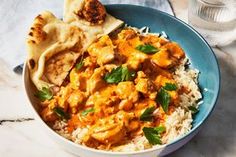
(214, 19)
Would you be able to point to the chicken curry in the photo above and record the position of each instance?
(121, 87)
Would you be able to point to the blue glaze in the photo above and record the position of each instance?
(197, 49)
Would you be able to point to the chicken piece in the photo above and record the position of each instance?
(145, 85)
(125, 105)
(143, 104)
(110, 130)
(126, 90)
(162, 59)
(62, 97)
(127, 34)
(135, 59)
(48, 115)
(78, 79)
(133, 125)
(75, 100)
(103, 50)
(96, 81)
(161, 81)
(175, 50)
(93, 11)
(154, 40)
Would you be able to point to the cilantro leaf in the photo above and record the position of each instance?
(193, 109)
(85, 112)
(79, 65)
(170, 86)
(153, 135)
(147, 114)
(160, 129)
(44, 94)
(119, 74)
(61, 113)
(163, 97)
(148, 49)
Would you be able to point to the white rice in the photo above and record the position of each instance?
(78, 135)
(177, 124)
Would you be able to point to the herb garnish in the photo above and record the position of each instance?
(119, 74)
(170, 87)
(79, 65)
(193, 109)
(85, 112)
(163, 97)
(153, 135)
(148, 49)
(147, 114)
(44, 94)
(61, 113)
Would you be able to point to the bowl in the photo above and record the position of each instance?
(197, 50)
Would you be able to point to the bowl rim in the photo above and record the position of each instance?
(215, 98)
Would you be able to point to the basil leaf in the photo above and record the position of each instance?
(193, 109)
(152, 135)
(85, 112)
(148, 49)
(79, 65)
(170, 87)
(61, 113)
(163, 97)
(44, 94)
(119, 74)
(147, 114)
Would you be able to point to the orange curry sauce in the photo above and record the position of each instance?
(114, 109)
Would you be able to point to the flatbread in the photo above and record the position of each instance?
(52, 38)
(54, 45)
(70, 15)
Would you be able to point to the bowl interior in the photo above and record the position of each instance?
(198, 51)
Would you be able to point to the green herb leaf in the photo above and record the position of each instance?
(153, 135)
(193, 109)
(44, 94)
(79, 65)
(148, 49)
(170, 87)
(147, 114)
(160, 129)
(85, 112)
(126, 74)
(163, 97)
(119, 74)
(61, 113)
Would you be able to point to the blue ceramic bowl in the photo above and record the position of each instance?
(198, 51)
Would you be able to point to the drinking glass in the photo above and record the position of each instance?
(214, 19)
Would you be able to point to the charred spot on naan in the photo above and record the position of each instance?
(36, 34)
(93, 11)
(31, 63)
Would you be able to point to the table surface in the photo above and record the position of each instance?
(21, 135)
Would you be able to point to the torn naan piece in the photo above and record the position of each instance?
(53, 47)
(91, 17)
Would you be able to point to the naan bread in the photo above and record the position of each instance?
(90, 16)
(53, 47)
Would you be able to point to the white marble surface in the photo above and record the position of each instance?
(20, 135)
